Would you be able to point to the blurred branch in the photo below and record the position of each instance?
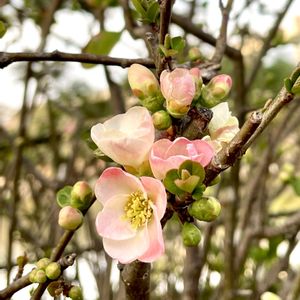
(267, 44)
(222, 39)
(189, 27)
(7, 58)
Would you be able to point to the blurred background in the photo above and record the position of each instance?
(48, 108)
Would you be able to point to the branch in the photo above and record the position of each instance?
(24, 281)
(267, 44)
(222, 39)
(188, 26)
(6, 58)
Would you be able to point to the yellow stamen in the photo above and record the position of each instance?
(138, 209)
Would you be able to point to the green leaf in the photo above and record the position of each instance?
(152, 12)
(99, 154)
(139, 8)
(194, 168)
(295, 183)
(296, 87)
(63, 196)
(198, 192)
(2, 29)
(177, 43)
(169, 182)
(101, 44)
(288, 84)
(295, 75)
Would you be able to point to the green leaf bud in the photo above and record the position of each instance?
(191, 235)
(75, 293)
(43, 263)
(161, 120)
(53, 270)
(40, 276)
(205, 209)
(70, 218)
(81, 195)
(194, 54)
(32, 275)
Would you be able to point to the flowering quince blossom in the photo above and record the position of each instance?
(166, 155)
(179, 88)
(222, 127)
(126, 138)
(130, 219)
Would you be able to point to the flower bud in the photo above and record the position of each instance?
(81, 195)
(142, 81)
(40, 276)
(54, 288)
(32, 275)
(161, 120)
(75, 293)
(43, 263)
(179, 88)
(194, 54)
(205, 209)
(191, 235)
(70, 218)
(216, 90)
(53, 270)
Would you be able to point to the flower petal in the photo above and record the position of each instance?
(114, 181)
(156, 192)
(126, 251)
(111, 222)
(156, 243)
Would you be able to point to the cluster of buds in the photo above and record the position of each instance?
(78, 199)
(45, 269)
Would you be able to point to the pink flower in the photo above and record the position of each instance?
(130, 219)
(166, 155)
(126, 138)
(180, 87)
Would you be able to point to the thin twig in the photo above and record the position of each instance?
(222, 39)
(6, 58)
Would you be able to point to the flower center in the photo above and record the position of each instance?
(138, 210)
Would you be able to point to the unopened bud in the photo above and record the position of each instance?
(75, 293)
(53, 270)
(40, 276)
(32, 275)
(161, 120)
(70, 218)
(142, 81)
(81, 195)
(53, 287)
(205, 209)
(194, 54)
(43, 263)
(191, 235)
(216, 90)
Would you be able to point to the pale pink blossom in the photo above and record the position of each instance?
(166, 155)
(179, 88)
(129, 222)
(126, 138)
(222, 127)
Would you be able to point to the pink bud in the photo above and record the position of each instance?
(70, 218)
(81, 195)
(142, 81)
(216, 90)
(179, 87)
